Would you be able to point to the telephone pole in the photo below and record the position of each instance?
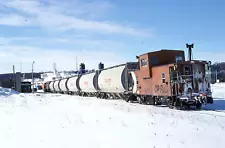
(76, 64)
(14, 78)
(33, 77)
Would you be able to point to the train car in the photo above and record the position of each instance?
(72, 85)
(166, 78)
(56, 86)
(51, 86)
(43, 86)
(47, 87)
(118, 81)
(62, 86)
(88, 84)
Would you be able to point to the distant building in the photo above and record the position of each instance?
(16, 81)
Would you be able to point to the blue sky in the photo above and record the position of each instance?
(108, 31)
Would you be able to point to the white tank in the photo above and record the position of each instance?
(112, 80)
(134, 82)
(62, 85)
(88, 82)
(72, 84)
(51, 86)
(47, 85)
(56, 86)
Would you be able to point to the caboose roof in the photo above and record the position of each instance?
(162, 50)
(193, 62)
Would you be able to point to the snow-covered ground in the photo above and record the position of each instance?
(61, 121)
(7, 92)
(218, 94)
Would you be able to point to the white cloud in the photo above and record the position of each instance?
(11, 54)
(55, 16)
(44, 58)
(14, 20)
(63, 16)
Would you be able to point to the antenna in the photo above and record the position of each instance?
(54, 68)
(76, 64)
(21, 67)
(14, 81)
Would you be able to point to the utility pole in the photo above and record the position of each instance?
(216, 75)
(76, 64)
(33, 77)
(21, 67)
(14, 78)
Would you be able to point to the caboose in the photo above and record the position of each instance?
(165, 78)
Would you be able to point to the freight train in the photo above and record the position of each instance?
(157, 78)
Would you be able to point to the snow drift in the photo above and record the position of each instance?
(56, 121)
(218, 94)
(7, 92)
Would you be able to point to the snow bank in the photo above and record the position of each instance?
(57, 121)
(218, 90)
(218, 94)
(7, 92)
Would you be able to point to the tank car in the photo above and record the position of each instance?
(47, 89)
(72, 86)
(62, 85)
(56, 86)
(88, 84)
(117, 81)
(51, 86)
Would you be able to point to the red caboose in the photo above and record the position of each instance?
(164, 77)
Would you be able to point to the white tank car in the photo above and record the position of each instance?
(62, 85)
(51, 84)
(72, 84)
(88, 82)
(118, 79)
(56, 86)
(47, 85)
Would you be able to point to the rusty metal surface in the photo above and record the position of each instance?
(150, 76)
(154, 85)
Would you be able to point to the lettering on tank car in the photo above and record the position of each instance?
(107, 81)
(86, 83)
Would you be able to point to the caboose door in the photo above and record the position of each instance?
(173, 81)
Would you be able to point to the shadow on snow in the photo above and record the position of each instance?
(218, 105)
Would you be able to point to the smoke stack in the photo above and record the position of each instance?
(190, 50)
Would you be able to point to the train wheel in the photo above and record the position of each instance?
(139, 99)
(198, 105)
(126, 98)
(170, 104)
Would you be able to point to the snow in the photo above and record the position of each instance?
(7, 92)
(56, 121)
(218, 93)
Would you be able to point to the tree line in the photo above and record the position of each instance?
(218, 72)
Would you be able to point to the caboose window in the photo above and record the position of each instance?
(179, 59)
(153, 60)
(143, 62)
(163, 78)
